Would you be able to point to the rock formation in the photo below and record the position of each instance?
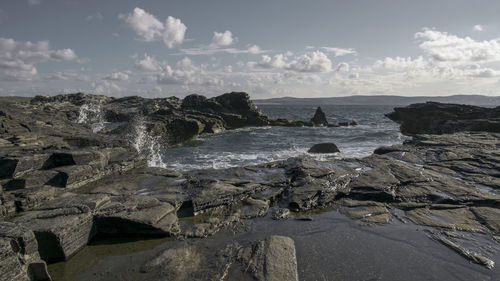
(439, 118)
(319, 118)
(63, 184)
(327, 147)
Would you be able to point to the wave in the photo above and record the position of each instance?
(145, 143)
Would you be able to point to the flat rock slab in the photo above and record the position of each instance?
(272, 259)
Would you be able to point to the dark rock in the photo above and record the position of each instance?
(327, 147)
(19, 258)
(319, 118)
(439, 118)
(272, 259)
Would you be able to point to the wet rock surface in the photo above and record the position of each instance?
(327, 147)
(68, 185)
(439, 118)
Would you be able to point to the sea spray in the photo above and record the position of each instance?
(91, 114)
(143, 142)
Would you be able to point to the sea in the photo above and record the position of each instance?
(256, 145)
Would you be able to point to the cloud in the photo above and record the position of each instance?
(277, 61)
(34, 2)
(149, 28)
(337, 52)
(309, 62)
(478, 27)
(400, 63)
(342, 67)
(186, 73)
(148, 63)
(105, 87)
(254, 49)
(222, 39)
(117, 76)
(94, 17)
(447, 48)
(144, 24)
(174, 32)
(207, 50)
(18, 59)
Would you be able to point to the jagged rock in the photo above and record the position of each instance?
(272, 259)
(19, 258)
(281, 213)
(439, 118)
(327, 147)
(319, 118)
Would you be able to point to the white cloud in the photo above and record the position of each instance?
(148, 63)
(183, 73)
(478, 27)
(144, 24)
(343, 67)
(278, 61)
(187, 74)
(149, 28)
(222, 39)
(447, 48)
(174, 32)
(117, 76)
(94, 17)
(105, 87)
(208, 50)
(18, 59)
(311, 62)
(34, 2)
(400, 63)
(337, 52)
(254, 49)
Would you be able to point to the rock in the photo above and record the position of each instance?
(440, 118)
(65, 225)
(327, 147)
(253, 208)
(19, 258)
(319, 118)
(174, 264)
(474, 257)
(272, 259)
(281, 213)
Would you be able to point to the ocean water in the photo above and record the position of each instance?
(249, 146)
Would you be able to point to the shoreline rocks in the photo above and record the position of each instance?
(67, 185)
(441, 118)
(319, 118)
(327, 147)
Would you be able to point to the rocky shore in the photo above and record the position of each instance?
(67, 181)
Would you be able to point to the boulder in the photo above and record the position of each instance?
(326, 147)
(319, 118)
(272, 259)
(441, 118)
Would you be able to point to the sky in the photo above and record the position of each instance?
(267, 48)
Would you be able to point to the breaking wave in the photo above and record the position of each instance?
(147, 144)
(92, 115)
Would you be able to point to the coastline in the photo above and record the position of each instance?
(444, 182)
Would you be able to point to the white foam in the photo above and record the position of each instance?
(143, 142)
(92, 115)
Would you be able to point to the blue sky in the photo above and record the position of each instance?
(267, 48)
